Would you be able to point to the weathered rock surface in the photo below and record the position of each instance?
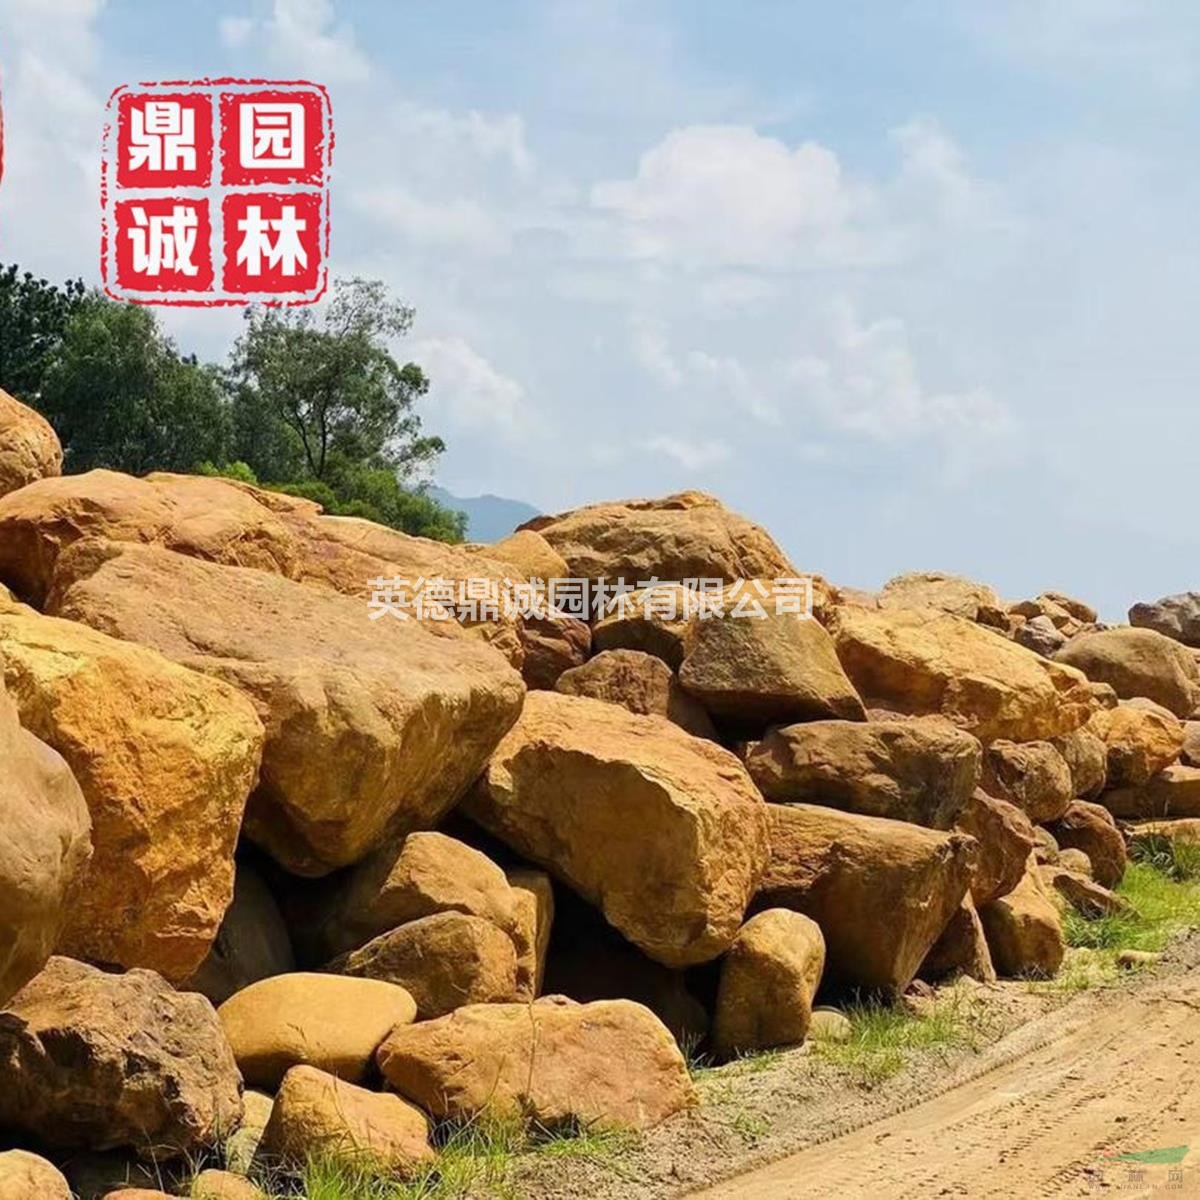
(641, 683)
(1031, 775)
(686, 536)
(1040, 635)
(1173, 792)
(331, 1022)
(99, 1061)
(370, 730)
(1190, 754)
(1086, 756)
(927, 661)
(769, 977)
(1140, 740)
(1005, 838)
(961, 949)
(45, 843)
(664, 832)
(224, 1185)
(552, 645)
(1176, 617)
(660, 620)
(881, 891)
(534, 896)
(241, 1146)
(1087, 897)
(1138, 662)
(775, 668)
(556, 1062)
(443, 961)
(1023, 931)
(165, 758)
(318, 1115)
(922, 770)
(1091, 828)
(253, 942)
(29, 447)
(949, 593)
(421, 875)
(25, 1176)
(530, 556)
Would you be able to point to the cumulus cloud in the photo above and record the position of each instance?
(301, 32)
(691, 454)
(468, 393)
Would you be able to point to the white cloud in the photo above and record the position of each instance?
(726, 195)
(651, 352)
(301, 33)
(439, 222)
(867, 384)
(692, 455)
(468, 390)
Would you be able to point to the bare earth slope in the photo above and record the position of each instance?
(1108, 1074)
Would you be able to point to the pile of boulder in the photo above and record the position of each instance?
(279, 879)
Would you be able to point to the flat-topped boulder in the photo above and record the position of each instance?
(665, 833)
(950, 593)
(921, 770)
(924, 661)
(1138, 662)
(372, 729)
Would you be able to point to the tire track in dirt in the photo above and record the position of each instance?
(1122, 1075)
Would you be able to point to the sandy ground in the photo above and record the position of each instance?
(1055, 1086)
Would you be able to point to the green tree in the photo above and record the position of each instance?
(34, 314)
(121, 396)
(329, 385)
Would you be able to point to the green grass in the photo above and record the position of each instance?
(1164, 896)
(480, 1158)
(884, 1038)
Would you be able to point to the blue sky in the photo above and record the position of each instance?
(914, 284)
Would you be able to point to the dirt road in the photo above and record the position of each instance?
(1110, 1074)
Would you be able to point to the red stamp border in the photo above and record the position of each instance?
(213, 301)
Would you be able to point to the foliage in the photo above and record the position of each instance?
(312, 403)
(34, 314)
(1161, 905)
(120, 395)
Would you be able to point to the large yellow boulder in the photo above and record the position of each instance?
(165, 758)
(950, 593)
(611, 1063)
(29, 447)
(690, 535)
(371, 729)
(1140, 739)
(44, 850)
(919, 661)
(1138, 662)
(1024, 931)
(664, 832)
(881, 891)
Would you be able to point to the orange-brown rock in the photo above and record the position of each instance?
(29, 447)
(1086, 755)
(641, 683)
(331, 1022)
(44, 850)
(769, 977)
(529, 555)
(535, 921)
(610, 1063)
(371, 729)
(1091, 828)
(950, 593)
(25, 1176)
(685, 536)
(882, 891)
(777, 667)
(664, 832)
(98, 1061)
(1140, 739)
(1031, 775)
(1174, 792)
(1023, 931)
(927, 661)
(921, 770)
(443, 961)
(165, 758)
(1005, 838)
(1138, 662)
(318, 1116)
(961, 949)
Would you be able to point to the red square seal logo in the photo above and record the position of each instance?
(216, 192)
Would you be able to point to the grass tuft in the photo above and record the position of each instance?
(1164, 899)
(883, 1038)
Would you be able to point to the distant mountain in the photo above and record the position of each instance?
(489, 518)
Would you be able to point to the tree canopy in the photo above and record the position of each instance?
(311, 402)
